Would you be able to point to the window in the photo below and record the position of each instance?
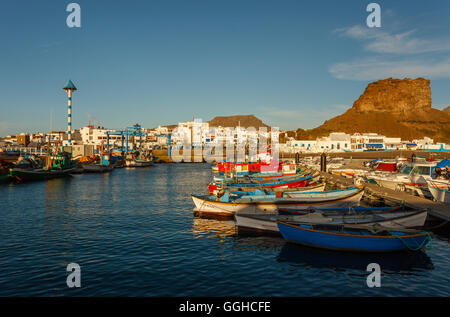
(422, 170)
(406, 169)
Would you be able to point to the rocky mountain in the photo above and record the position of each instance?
(391, 107)
(234, 121)
(447, 109)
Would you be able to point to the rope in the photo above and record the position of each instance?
(425, 243)
(438, 226)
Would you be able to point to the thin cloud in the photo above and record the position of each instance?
(379, 41)
(377, 68)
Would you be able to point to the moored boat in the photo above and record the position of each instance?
(97, 168)
(391, 220)
(58, 165)
(227, 205)
(36, 174)
(4, 178)
(138, 163)
(440, 190)
(103, 166)
(354, 238)
(273, 191)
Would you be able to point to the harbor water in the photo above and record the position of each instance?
(133, 233)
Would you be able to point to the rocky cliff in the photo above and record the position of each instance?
(395, 96)
(391, 107)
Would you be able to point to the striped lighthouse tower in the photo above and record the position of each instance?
(69, 88)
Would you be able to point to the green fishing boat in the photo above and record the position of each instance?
(4, 178)
(58, 165)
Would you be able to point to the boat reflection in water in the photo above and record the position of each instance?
(213, 228)
(408, 263)
(405, 262)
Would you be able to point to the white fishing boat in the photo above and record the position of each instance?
(412, 176)
(394, 220)
(440, 189)
(227, 205)
(138, 163)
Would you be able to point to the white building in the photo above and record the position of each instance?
(97, 136)
(335, 142)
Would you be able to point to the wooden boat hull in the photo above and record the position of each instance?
(4, 179)
(305, 189)
(357, 241)
(300, 181)
(268, 223)
(440, 193)
(138, 163)
(205, 205)
(24, 175)
(95, 168)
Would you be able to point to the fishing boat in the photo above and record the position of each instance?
(354, 238)
(299, 181)
(264, 176)
(228, 204)
(412, 176)
(103, 166)
(97, 168)
(391, 220)
(273, 191)
(58, 165)
(440, 190)
(4, 177)
(4, 171)
(138, 163)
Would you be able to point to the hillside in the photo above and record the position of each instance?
(391, 107)
(234, 121)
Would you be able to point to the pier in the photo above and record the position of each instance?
(436, 209)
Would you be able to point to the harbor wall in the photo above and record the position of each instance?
(163, 157)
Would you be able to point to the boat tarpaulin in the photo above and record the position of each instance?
(443, 163)
(387, 167)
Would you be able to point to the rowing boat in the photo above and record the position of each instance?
(228, 204)
(391, 220)
(354, 238)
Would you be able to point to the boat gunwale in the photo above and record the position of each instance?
(274, 203)
(420, 234)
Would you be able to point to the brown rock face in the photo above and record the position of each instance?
(244, 121)
(395, 96)
(394, 108)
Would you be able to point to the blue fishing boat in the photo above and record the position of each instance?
(354, 238)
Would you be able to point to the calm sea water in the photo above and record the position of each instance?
(133, 234)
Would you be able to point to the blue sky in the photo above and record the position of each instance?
(291, 63)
